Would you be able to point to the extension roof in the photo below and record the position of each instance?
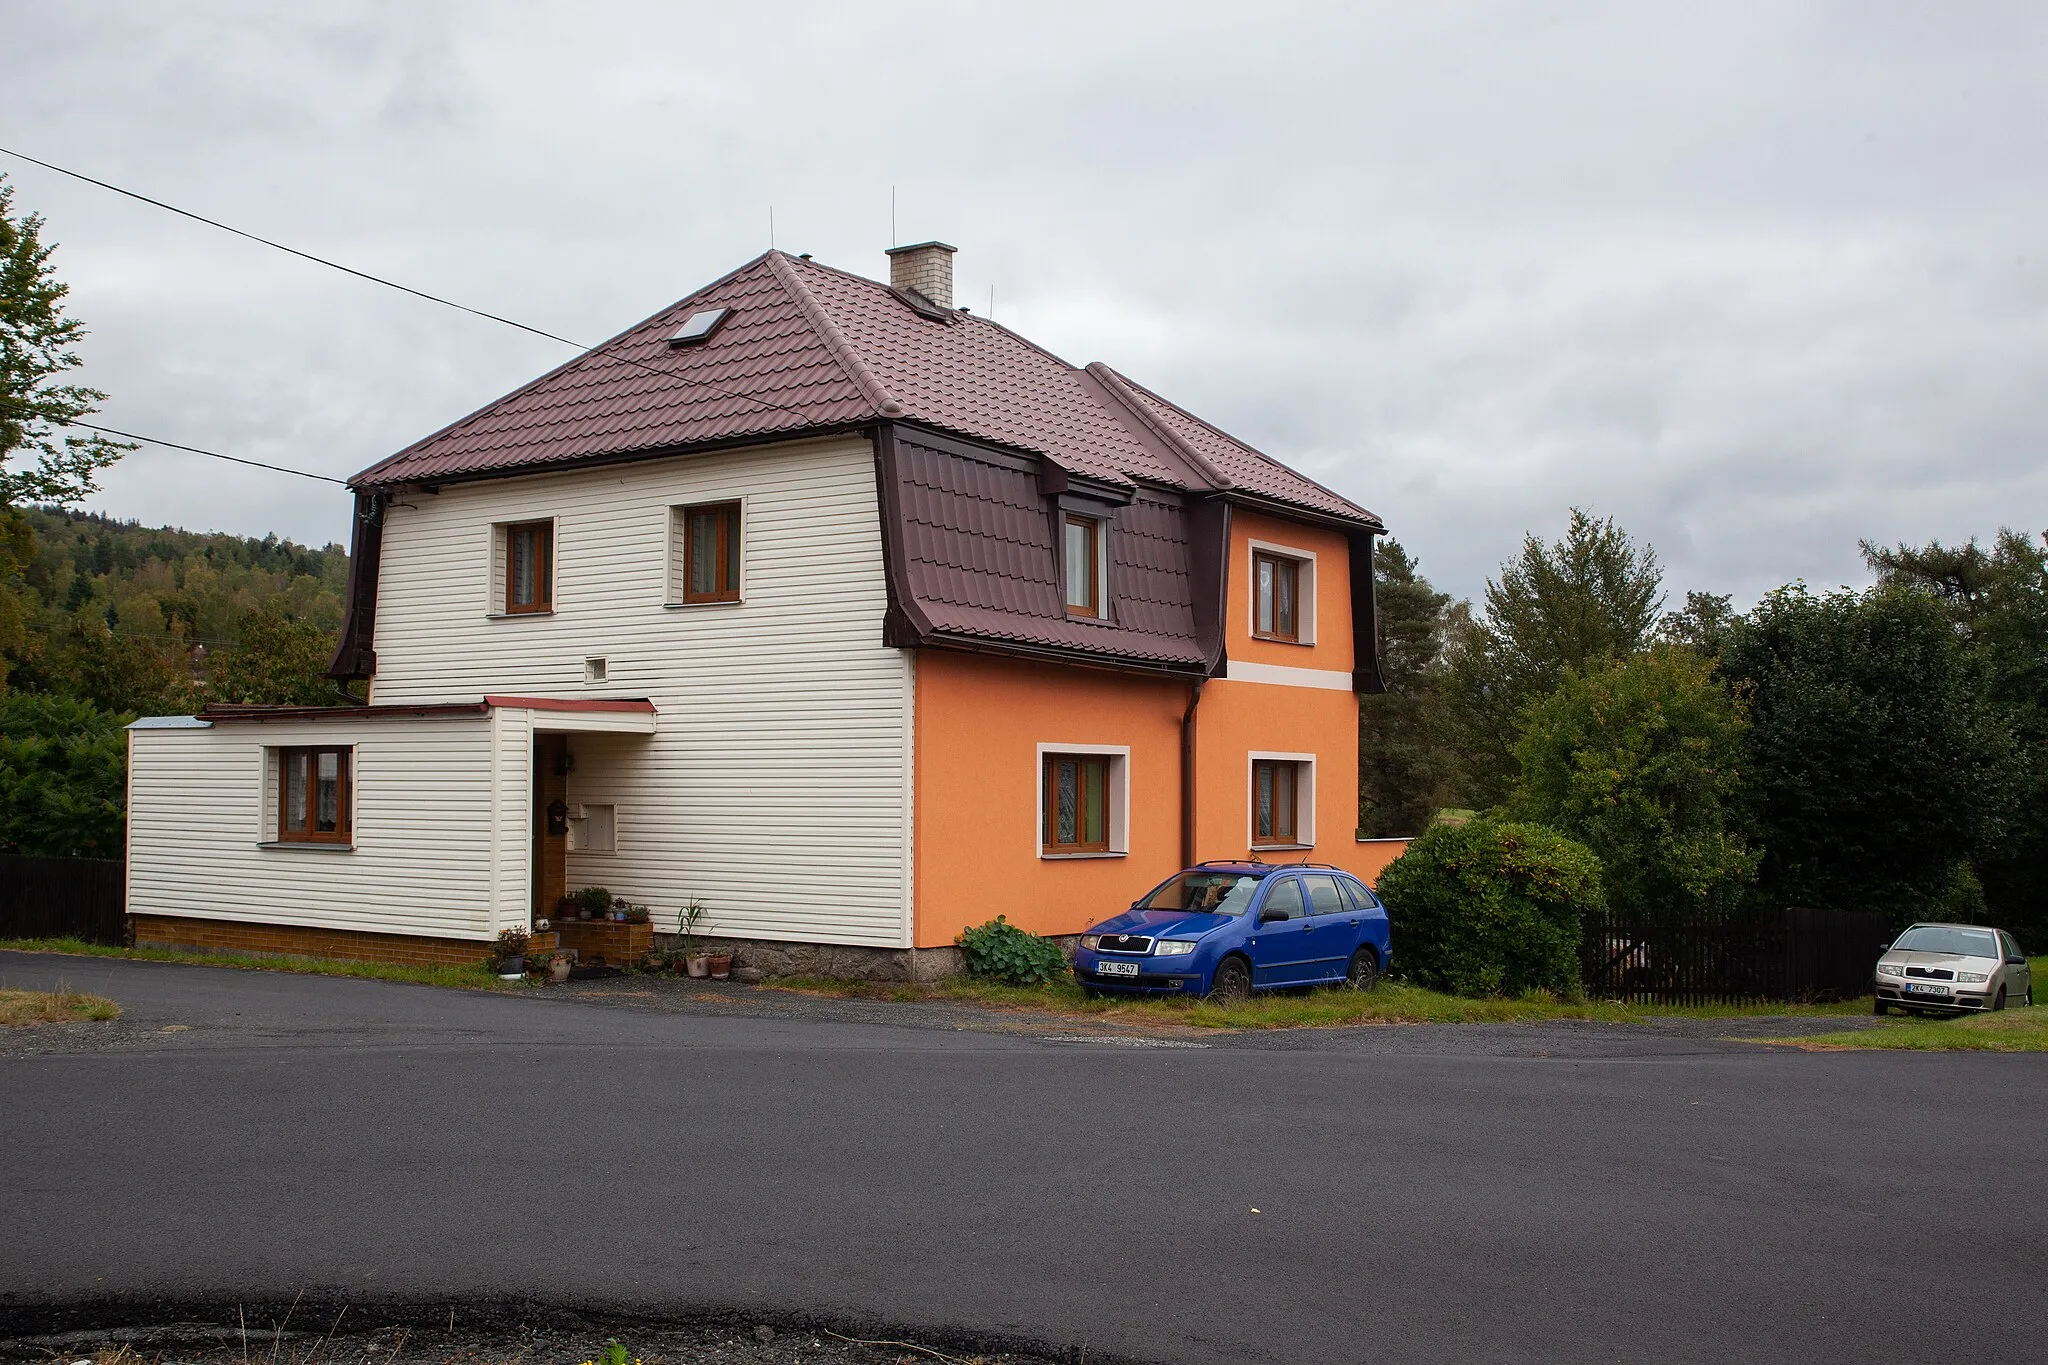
(809, 349)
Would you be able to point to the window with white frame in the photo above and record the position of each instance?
(1282, 806)
(1282, 600)
(1083, 800)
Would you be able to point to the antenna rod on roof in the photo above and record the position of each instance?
(771, 227)
(892, 215)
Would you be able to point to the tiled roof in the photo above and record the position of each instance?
(807, 347)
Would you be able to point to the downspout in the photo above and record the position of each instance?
(1187, 774)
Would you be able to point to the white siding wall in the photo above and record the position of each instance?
(199, 810)
(776, 785)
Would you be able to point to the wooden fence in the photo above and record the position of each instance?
(64, 898)
(1699, 957)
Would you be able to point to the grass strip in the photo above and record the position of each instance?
(61, 1006)
(1391, 1003)
(476, 978)
(2009, 1030)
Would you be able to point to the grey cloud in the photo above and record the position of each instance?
(1759, 280)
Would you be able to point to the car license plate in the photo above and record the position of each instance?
(1107, 968)
(1918, 989)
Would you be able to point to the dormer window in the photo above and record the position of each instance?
(1283, 594)
(1084, 566)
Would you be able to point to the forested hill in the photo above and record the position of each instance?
(139, 618)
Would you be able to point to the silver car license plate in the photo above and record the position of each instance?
(1919, 989)
(1106, 968)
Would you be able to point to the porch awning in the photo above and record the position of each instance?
(583, 715)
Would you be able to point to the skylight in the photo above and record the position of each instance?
(699, 327)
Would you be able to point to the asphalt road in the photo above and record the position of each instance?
(1401, 1194)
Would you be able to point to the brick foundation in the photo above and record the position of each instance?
(762, 959)
(300, 940)
(607, 941)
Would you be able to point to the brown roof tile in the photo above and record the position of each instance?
(808, 347)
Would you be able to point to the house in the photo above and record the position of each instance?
(850, 616)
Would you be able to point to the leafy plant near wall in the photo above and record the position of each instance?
(596, 899)
(1000, 951)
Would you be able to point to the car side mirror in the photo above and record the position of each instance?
(1272, 914)
(2015, 962)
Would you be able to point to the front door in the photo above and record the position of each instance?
(1279, 949)
(550, 877)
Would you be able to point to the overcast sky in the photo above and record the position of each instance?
(1756, 279)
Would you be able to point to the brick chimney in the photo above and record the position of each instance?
(927, 268)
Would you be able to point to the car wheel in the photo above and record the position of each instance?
(1364, 972)
(1232, 982)
(1998, 1003)
(1880, 1007)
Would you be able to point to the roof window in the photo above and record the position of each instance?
(700, 326)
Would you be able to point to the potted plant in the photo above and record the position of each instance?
(594, 902)
(558, 968)
(721, 966)
(637, 914)
(694, 959)
(508, 954)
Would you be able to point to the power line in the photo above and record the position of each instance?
(393, 284)
(179, 445)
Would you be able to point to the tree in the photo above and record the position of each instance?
(1878, 762)
(277, 661)
(35, 349)
(1702, 625)
(1642, 762)
(1998, 600)
(1404, 764)
(1571, 606)
(63, 778)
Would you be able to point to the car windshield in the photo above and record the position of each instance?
(1216, 893)
(1933, 938)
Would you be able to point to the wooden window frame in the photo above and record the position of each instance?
(544, 562)
(1293, 769)
(344, 794)
(728, 551)
(1048, 824)
(1290, 568)
(1092, 608)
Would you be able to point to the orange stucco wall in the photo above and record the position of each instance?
(1332, 640)
(980, 722)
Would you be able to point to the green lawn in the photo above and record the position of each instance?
(477, 978)
(1391, 1003)
(2013, 1029)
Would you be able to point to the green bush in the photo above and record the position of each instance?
(1490, 907)
(1000, 951)
(63, 778)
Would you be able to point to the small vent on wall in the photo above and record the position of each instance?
(595, 669)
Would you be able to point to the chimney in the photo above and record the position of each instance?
(927, 268)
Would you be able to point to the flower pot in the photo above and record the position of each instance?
(558, 970)
(700, 965)
(721, 966)
(511, 969)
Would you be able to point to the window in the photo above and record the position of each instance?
(1084, 566)
(1323, 896)
(596, 669)
(1276, 585)
(1276, 802)
(1285, 897)
(1076, 803)
(711, 553)
(529, 567)
(313, 796)
(1361, 899)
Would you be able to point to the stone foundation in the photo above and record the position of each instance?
(301, 940)
(764, 959)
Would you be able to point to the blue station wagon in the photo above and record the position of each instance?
(1228, 929)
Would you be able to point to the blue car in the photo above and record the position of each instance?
(1227, 929)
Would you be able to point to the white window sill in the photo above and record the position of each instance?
(516, 615)
(1281, 640)
(700, 606)
(1282, 848)
(307, 846)
(1077, 857)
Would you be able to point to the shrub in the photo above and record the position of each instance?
(1490, 907)
(63, 778)
(1000, 951)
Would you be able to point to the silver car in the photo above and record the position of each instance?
(1953, 969)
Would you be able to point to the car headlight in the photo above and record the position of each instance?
(1173, 947)
(1973, 976)
(1883, 968)
(1091, 941)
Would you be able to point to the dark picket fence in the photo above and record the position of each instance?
(64, 898)
(1701, 957)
